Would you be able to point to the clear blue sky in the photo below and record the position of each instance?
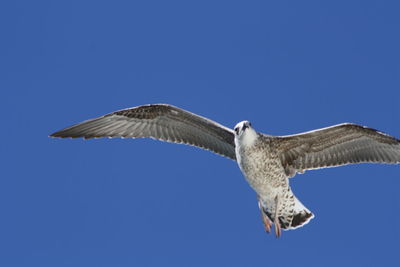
(287, 66)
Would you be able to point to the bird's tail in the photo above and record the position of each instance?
(291, 215)
(301, 215)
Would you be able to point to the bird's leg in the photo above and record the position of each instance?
(276, 219)
(266, 221)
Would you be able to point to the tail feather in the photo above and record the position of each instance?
(300, 219)
(301, 215)
(297, 216)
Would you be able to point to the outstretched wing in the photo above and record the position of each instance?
(336, 145)
(163, 122)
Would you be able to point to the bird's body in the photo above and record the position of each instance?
(259, 162)
(267, 162)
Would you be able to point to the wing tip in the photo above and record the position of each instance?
(66, 134)
(56, 135)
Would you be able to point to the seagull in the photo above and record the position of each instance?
(267, 162)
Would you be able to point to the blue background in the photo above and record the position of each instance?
(287, 66)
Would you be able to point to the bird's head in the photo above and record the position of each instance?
(245, 133)
(241, 127)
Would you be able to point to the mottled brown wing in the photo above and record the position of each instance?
(161, 121)
(337, 145)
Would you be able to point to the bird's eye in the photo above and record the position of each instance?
(237, 130)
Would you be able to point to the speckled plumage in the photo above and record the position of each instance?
(260, 163)
(266, 161)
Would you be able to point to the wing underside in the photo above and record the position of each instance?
(161, 122)
(337, 145)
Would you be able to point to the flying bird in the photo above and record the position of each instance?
(267, 162)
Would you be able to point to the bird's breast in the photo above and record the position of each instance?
(261, 167)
